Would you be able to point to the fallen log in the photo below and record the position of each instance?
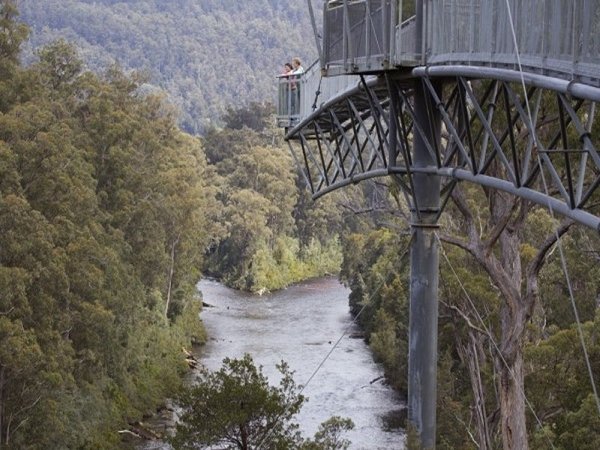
(138, 428)
(190, 358)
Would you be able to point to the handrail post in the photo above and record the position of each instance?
(314, 25)
(368, 26)
(419, 26)
(347, 36)
(394, 22)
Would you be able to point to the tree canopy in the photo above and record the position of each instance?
(236, 407)
(267, 241)
(473, 325)
(105, 210)
(107, 213)
(206, 55)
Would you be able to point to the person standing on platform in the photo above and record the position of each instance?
(287, 69)
(288, 89)
(297, 65)
(297, 72)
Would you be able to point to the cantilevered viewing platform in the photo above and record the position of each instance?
(431, 93)
(558, 43)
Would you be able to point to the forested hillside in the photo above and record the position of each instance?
(207, 54)
(107, 214)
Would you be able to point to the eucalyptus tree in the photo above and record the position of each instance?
(105, 211)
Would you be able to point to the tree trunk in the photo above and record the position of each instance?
(512, 403)
(2, 381)
(515, 312)
(244, 436)
(471, 353)
(500, 257)
(170, 277)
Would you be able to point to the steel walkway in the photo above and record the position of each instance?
(356, 117)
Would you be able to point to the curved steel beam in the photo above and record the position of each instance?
(326, 106)
(572, 88)
(536, 197)
(492, 136)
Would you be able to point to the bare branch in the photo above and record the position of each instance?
(534, 267)
(502, 223)
(5, 313)
(461, 203)
(466, 319)
(457, 242)
(25, 408)
(358, 211)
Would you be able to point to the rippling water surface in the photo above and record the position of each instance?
(301, 325)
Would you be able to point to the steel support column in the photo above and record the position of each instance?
(424, 260)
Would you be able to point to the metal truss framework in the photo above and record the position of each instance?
(534, 137)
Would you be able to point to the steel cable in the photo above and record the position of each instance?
(558, 237)
(491, 336)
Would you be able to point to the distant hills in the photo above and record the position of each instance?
(206, 54)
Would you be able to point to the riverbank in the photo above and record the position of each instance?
(308, 325)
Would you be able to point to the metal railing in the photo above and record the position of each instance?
(556, 38)
(407, 53)
(358, 35)
(288, 100)
(559, 38)
(299, 95)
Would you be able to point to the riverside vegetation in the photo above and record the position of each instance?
(509, 349)
(235, 407)
(108, 212)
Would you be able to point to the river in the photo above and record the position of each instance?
(301, 325)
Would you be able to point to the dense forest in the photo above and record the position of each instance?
(109, 213)
(207, 55)
(505, 316)
(510, 361)
(275, 234)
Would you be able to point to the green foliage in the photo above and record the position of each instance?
(12, 35)
(283, 265)
(328, 436)
(206, 55)
(375, 268)
(106, 211)
(59, 63)
(235, 407)
(105, 214)
(256, 116)
(556, 382)
(389, 347)
(559, 387)
(267, 244)
(318, 219)
(453, 392)
(582, 426)
(582, 253)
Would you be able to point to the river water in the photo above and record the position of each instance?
(301, 325)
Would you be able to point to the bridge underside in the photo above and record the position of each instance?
(533, 136)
